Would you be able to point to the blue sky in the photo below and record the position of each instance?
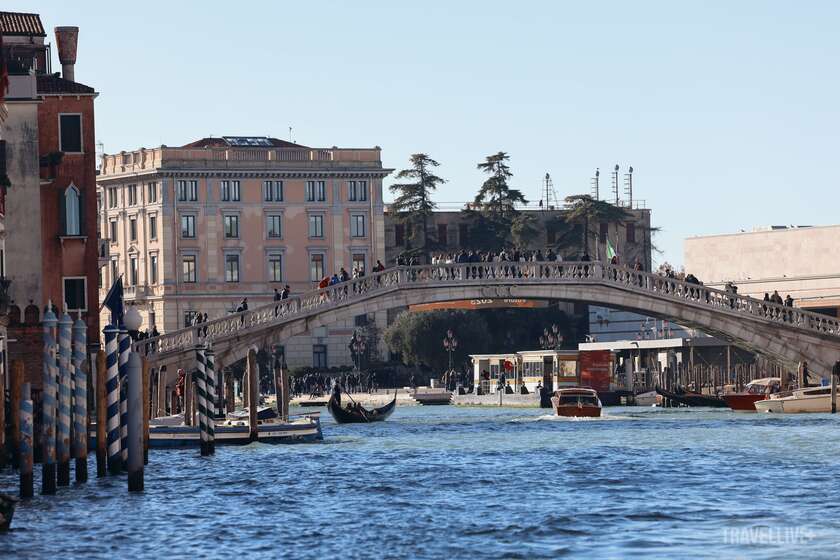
(728, 111)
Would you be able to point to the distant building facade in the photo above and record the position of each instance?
(50, 208)
(801, 261)
(195, 229)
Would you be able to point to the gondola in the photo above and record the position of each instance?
(692, 399)
(359, 415)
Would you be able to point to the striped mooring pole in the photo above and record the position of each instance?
(65, 329)
(48, 400)
(134, 390)
(26, 435)
(112, 390)
(201, 398)
(125, 350)
(80, 400)
(210, 381)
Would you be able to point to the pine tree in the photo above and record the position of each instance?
(583, 207)
(496, 198)
(414, 204)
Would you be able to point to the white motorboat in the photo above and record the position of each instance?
(809, 399)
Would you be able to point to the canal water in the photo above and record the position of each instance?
(447, 482)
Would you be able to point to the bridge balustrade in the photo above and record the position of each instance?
(496, 273)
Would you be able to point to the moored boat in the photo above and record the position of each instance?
(756, 390)
(576, 402)
(689, 398)
(808, 399)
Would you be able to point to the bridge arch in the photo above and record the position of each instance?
(787, 335)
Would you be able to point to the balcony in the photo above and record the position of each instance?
(135, 293)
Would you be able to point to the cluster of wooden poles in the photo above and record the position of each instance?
(65, 416)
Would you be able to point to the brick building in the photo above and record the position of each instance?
(51, 246)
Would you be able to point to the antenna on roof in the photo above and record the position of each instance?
(628, 186)
(595, 184)
(290, 135)
(549, 194)
(615, 184)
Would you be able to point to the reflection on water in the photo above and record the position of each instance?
(445, 482)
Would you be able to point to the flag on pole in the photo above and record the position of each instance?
(114, 302)
(610, 250)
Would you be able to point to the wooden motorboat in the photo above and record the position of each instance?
(356, 413)
(576, 401)
(808, 399)
(170, 431)
(689, 398)
(756, 390)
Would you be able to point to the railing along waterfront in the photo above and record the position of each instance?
(490, 274)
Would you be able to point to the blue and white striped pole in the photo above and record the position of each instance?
(26, 434)
(80, 400)
(112, 391)
(48, 401)
(201, 398)
(65, 329)
(124, 348)
(210, 382)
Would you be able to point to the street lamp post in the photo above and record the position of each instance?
(358, 344)
(551, 338)
(450, 343)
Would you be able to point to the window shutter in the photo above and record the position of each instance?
(62, 212)
(82, 229)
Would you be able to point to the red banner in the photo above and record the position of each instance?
(595, 369)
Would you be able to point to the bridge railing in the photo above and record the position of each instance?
(480, 273)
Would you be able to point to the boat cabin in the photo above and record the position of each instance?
(529, 369)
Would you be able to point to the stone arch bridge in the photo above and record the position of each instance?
(787, 335)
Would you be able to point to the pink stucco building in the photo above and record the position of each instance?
(197, 228)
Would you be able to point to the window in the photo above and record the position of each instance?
(187, 191)
(359, 263)
(132, 271)
(316, 226)
(316, 190)
(132, 229)
(273, 191)
(72, 209)
(357, 190)
(188, 227)
(115, 270)
(230, 191)
(132, 195)
(631, 233)
(113, 232)
(274, 227)
(604, 232)
(152, 190)
(399, 235)
(188, 269)
(360, 320)
(319, 356)
(70, 133)
(316, 267)
(152, 319)
(153, 226)
(75, 293)
(441, 234)
(112, 197)
(275, 267)
(463, 235)
(231, 227)
(153, 269)
(357, 225)
(231, 268)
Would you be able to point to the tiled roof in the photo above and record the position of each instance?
(14, 23)
(222, 143)
(54, 84)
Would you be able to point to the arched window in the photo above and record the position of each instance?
(71, 211)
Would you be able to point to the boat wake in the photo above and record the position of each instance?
(555, 418)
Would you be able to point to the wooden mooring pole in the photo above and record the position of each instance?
(134, 397)
(15, 386)
(101, 415)
(253, 394)
(27, 483)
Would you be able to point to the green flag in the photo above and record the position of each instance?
(610, 250)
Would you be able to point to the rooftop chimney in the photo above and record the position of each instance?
(67, 38)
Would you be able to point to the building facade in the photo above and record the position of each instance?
(198, 228)
(51, 245)
(801, 261)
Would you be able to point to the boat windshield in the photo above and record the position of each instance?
(582, 399)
